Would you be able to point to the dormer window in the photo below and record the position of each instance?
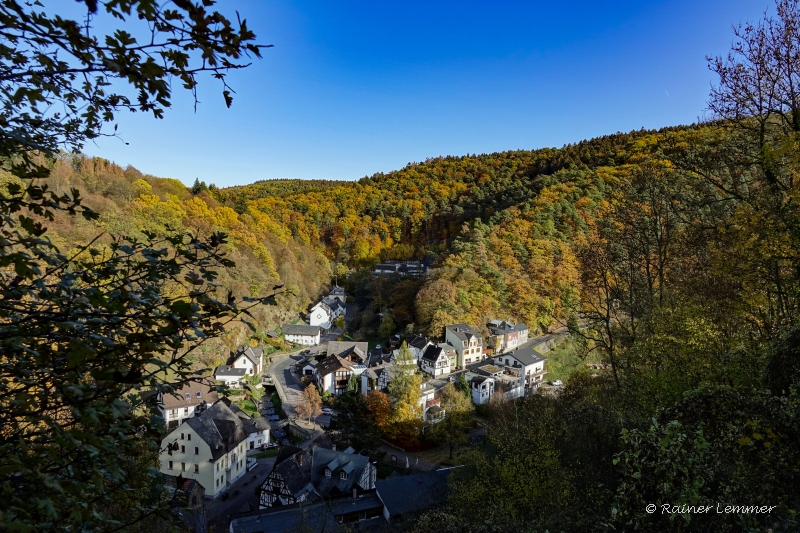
(188, 396)
(197, 394)
(342, 475)
(327, 472)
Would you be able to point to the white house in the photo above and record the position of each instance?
(251, 359)
(325, 312)
(301, 334)
(229, 375)
(185, 402)
(531, 364)
(435, 361)
(343, 360)
(211, 447)
(482, 388)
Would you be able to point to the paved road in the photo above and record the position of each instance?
(218, 512)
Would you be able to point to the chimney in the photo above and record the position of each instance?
(355, 493)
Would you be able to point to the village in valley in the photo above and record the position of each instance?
(333, 430)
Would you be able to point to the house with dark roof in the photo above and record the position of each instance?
(191, 398)
(376, 378)
(435, 361)
(324, 312)
(251, 359)
(405, 496)
(467, 344)
(344, 359)
(505, 336)
(229, 375)
(290, 479)
(301, 334)
(335, 473)
(363, 510)
(337, 293)
(211, 447)
(530, 363)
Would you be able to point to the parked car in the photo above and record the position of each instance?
(305, 352)
(327, 411)
(558, 383)
(269, 446)
(377, 346)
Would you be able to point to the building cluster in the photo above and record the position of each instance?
(246, 361)
(413, 269)
(208, 437)
(319, 488)
(321, 316)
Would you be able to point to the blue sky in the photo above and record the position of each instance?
(354, 88)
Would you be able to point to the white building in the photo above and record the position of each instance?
(232, 377)
(251, 359)
(435, 361)
(211, 447)
(325, 312)
(301, 334)
(482, 388)
(344, 359)
(185, 402)
(529, 362)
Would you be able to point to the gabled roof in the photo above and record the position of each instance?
(331, 364)
(294, 465)
(351, 464)
(417, 342)
(251, 354)
(414, 492)
(219, 427)
(337, 290)
(204, 386)
(477, 380)
(229, 371)
(463, 331)
(525, 356)
(498, 327)
(432, 353)
(300, 329)
(346, 348)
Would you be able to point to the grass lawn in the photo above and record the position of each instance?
(269, 453)
(565, 359)
(248, 407)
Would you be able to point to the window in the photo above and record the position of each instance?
(327, 471)
(186, 410)
(188, 395)
(342, 475)
(196, 469)
(183, 449)
(170, 465)
(197, 394)
(188, 436)
(183, 467)
(181, 436)
(196, 450)
(175, 412)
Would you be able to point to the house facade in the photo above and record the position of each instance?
(229, 375)
(505, 336)
(482, 388)
(376, 378)
(251, 359)
(210, 448)
(531, 364)
(190, 399)
(467, 344)
(325, 312)
(435, 361)
(301, 334)
(337, 293)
